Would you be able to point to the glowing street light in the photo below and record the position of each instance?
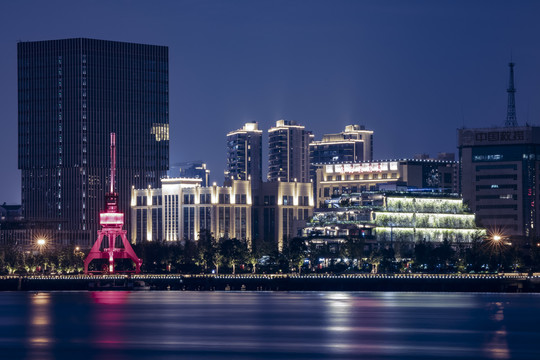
(497, 244)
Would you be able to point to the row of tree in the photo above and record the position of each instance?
(210, 255)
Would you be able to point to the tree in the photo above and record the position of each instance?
(444, 254)
(353, 248)
(297, 250)
(423, 255)
(234, 252)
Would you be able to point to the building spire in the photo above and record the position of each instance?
(511, 110)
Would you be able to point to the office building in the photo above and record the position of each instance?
(288, 152)
(180, 209)
(499, 168)
(280, 211)
(355, 144)
(499, 177)
(72, 94)
(244, 154)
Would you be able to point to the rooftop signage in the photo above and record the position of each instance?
(361, 167)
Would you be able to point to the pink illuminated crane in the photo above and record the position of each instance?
(112, 222)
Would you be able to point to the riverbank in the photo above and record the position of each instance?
(357, 282)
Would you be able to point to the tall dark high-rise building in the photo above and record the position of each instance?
(244, 154)
(288, 152)
(72, 94)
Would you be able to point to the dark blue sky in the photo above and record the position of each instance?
(412, 71)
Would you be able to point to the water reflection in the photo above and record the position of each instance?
(109, 317)
(497, 345)
(40, 339)
(268, 325)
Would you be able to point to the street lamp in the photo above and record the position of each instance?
(497, 243)
(41, 242)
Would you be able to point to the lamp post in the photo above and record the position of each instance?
(41, 242)
(497, 242)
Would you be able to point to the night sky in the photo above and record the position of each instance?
(412, 71)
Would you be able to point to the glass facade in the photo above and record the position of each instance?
(244, 154)
(72, 94)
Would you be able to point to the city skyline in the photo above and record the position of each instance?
(417, 67)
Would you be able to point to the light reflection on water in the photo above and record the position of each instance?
(268, 325)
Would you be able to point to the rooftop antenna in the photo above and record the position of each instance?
(511, 109)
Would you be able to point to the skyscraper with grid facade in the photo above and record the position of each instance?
(72, 94)
(288, 152)
(244, 154)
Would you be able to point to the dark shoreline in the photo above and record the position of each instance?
(510, 283)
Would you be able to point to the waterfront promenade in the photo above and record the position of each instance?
(279, 282)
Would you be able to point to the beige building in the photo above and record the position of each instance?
(181, 209)
(281, 210)
(337, 179)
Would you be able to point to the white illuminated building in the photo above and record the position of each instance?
(418, 217)
(349, 178)
(181, 209)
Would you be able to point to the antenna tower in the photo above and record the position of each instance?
(511, 110)
(112, 221)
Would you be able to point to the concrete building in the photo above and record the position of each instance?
(334, 180)
(244, 154)
(355, 144)
(499, 177)
(280, 211)
(181, 209)
(72, 94)
(288, 152)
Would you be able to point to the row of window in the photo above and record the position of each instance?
(364, 177)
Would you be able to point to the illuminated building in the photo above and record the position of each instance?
(244, 154)
(499, 177)
(412, 217)
(355, 144)
(288, 152)
(280, 211)
(334, 180)
(499, 171)
(72, 94)
(386, 217)
(181, 209)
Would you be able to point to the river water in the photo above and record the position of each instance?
(268, 325)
